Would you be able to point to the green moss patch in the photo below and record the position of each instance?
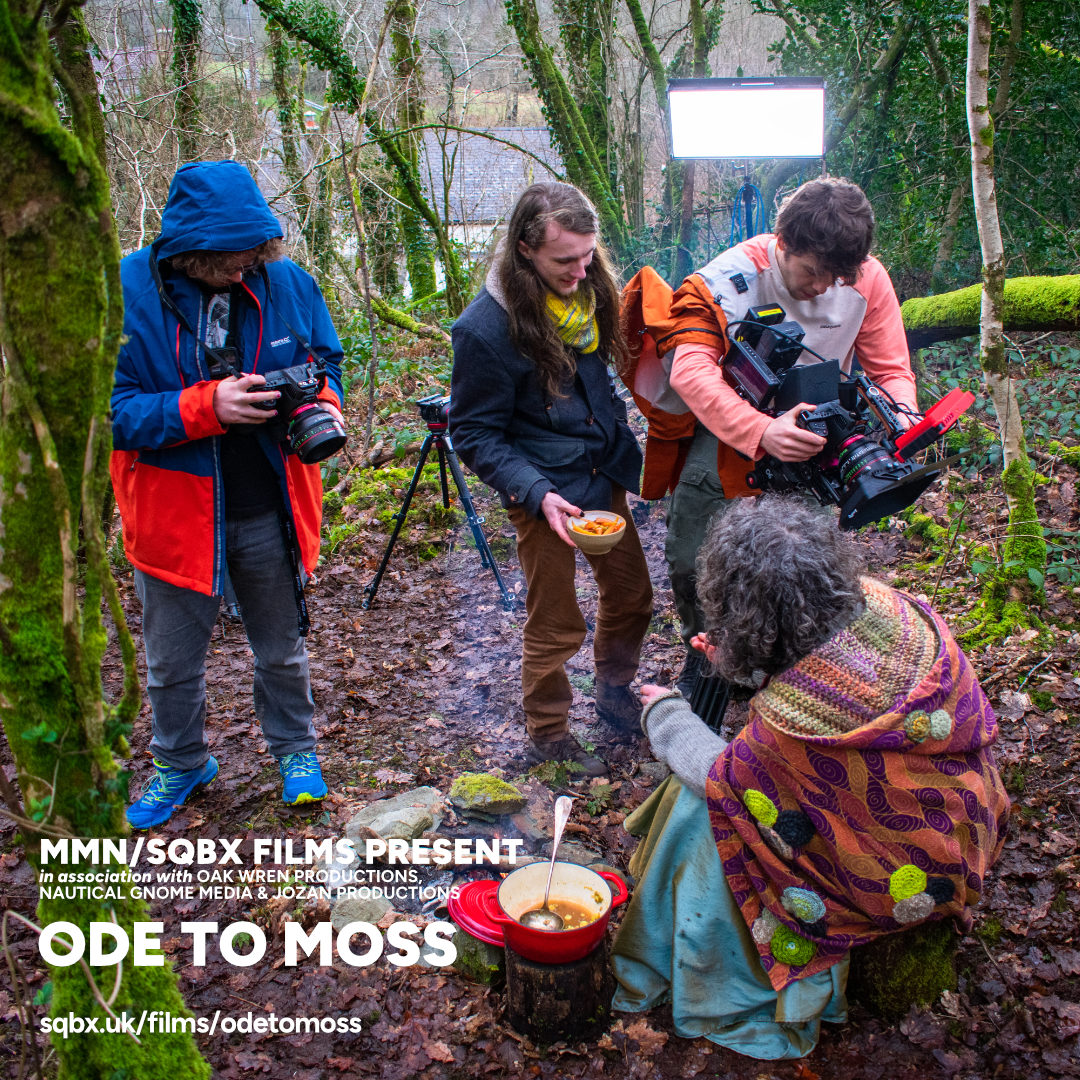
(913, 967)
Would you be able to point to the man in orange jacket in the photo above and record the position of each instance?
(817, 267)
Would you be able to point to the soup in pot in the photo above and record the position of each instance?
(574, 916)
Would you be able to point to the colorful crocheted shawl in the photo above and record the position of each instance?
(830, 841)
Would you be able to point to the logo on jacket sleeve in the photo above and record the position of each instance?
(739, 282)
(280, 341)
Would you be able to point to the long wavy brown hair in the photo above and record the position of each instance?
(532, 329)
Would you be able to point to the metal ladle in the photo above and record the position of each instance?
(543, 918)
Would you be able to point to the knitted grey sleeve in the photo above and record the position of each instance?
(682, 741)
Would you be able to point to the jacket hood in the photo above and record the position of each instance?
(214, 206)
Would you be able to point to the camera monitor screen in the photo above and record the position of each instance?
(747, 118)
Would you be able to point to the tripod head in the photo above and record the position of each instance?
(435, 411)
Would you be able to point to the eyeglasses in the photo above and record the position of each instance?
(245, 269)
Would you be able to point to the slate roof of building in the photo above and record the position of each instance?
(487, 176)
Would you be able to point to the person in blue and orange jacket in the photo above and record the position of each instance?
(204, 492)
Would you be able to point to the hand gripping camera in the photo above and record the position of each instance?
(312, 433)
(868, 478)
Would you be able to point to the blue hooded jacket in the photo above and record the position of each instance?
(166, 468)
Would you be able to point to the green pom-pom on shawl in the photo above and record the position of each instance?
(907, 881)
(791, 949)
(761, 806)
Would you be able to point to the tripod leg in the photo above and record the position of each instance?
(399, 520)
(442, 477)
(475, 522)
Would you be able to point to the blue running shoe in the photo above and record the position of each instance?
(167, 790)
(303, 778)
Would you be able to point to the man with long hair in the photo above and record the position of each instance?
(535, 415)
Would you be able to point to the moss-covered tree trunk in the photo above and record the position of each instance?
(419, 256)
(60, 327)
(187, 32)
(1024, 550)
(671, 192)
(684, 252)
(585, 168)
(862, 93)
(947, 240)
(320, 233)
(1035, 304)
(289, 117)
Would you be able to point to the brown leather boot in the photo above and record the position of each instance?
(618, 707)
(566, 748)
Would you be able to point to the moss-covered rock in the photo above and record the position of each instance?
(913, 967)
(1069, 454)
(486, 794)
(1031, 303)
(924, 527)
(481, 962)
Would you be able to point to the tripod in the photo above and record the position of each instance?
(710, 698)
(438, 437)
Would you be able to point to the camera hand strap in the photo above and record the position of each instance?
(288, 532)
(220, 359)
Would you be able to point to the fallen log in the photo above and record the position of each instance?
(1031, 304)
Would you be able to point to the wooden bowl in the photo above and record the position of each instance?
(597, 545)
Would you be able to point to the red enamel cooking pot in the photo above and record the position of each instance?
(523, 890)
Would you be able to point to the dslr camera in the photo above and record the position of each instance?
(866, 466)
(311, 432)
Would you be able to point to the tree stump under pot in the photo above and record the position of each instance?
(559, 1002)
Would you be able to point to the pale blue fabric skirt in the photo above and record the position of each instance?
(683, 940)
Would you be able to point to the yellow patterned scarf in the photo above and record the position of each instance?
(575, 320)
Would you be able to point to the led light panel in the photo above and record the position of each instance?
(747, 118)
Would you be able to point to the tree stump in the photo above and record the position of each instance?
(912, 967)
(559, 1002)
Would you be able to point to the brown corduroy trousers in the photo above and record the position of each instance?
(554, 626)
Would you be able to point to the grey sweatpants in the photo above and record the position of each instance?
(178, 623)
(697, 497)
(696, 500)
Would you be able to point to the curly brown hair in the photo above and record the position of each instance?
(832, 220)
(531, 328)
(776, 579)
(217, 266)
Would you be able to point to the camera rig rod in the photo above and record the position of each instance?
(437, 437)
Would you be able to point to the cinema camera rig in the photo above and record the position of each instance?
(867, 465)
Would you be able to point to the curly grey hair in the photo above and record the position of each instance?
(776, 579)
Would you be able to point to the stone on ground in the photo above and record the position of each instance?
(429, 798)
(486, 794)
(481, 962)
(354, 909)
(654, 770)
(407, 823)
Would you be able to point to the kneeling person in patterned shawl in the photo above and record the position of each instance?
(860, 798)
